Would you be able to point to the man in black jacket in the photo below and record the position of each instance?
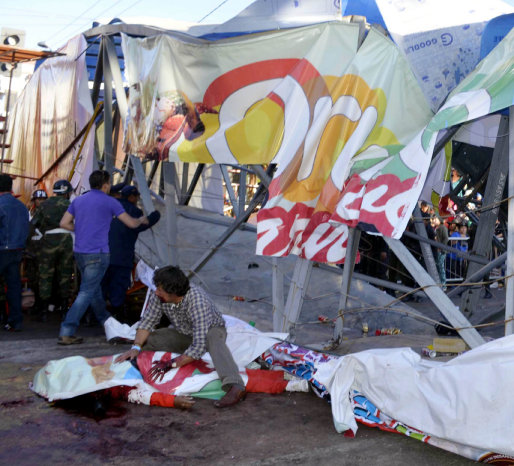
(122, 241)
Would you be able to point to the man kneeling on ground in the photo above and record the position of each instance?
(198, 327)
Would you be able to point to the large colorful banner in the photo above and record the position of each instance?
(376, 194)
(333, 116)
(347, 126)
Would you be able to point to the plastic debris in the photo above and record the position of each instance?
(388, 331)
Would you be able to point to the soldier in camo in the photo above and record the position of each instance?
(31, 253)
(56, 251)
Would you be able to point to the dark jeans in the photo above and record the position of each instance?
(92, 268)
(115, 284)
(10, 260)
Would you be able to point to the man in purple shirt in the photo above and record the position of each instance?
(90, 216)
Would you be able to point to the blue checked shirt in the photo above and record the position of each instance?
(193, 316)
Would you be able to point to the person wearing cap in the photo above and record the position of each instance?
(116, 190)
(55, 249)
(122, 242)
(14, 229)
(38, 197)
(90, 216)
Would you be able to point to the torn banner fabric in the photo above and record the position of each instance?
(53, 108)
(379, 186)
(488, 89)
(70, 377)
(332, 115)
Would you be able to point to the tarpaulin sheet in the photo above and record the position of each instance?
(382, 196)
(347, 126)
(367, 413)
(397, 391)
(465, 401)
(52, 109)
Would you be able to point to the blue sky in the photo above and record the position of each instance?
(55, 21)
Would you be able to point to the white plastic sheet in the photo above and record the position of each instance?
(466, 400)
(52, 109)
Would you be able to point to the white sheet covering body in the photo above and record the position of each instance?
(466, 400)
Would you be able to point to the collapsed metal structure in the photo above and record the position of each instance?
(105, 64)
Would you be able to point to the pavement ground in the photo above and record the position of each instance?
(289, 428)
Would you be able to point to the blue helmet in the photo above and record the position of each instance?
(39, 194)
(62, 187)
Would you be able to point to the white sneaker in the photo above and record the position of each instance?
(297, 385)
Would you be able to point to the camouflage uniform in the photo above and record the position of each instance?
(56, 249)
(31, 261)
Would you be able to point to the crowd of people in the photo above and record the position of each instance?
(450, 226)
(62, 248)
